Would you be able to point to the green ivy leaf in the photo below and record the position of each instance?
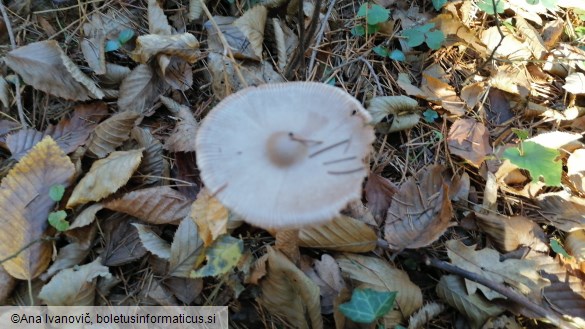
(538, 160)
(435, 39)
(438, 4)
(397, 55)
(57, 220)
(373, 13)
(555, 245)
(112, 45)
(413, 37)
(56, 192)
(381, 50)
(430, 116)
(367, 305)
(125, 35)
(488, 6)
(221, 257)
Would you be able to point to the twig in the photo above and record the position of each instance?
(320, 36)
(304, 40)
(502, 289)
(21, 115)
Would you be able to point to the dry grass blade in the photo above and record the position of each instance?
(111, 133)
(25, 205)
(344, 234)
(155, 205)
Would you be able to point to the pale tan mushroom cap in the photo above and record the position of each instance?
(254, 166)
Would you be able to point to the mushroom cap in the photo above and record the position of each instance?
(285, 155)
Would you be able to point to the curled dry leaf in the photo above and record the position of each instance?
(377, 274)
(157, 20)
(74, 286)
(183, 45)
(154, 205)
(114, 75)
(424, 315)
(451, 289)
(443, 94)
(576, 169)
(398, 106)
(472, 94)
(181, 139)
(111, 133)
(470, 140)
(567, 212)
(152, 164)
(25, 204)
(252, 23)
(86, 217)
(575, 244)
(141, 89)
(420, 212)
(519, 273)
(511, 233)
(46, 67)
(152, 242)
(186, 249)
(286, 42)
(344, 233)
(289, 293)
(210, 216)
(575, 83)
(379, 192)
(532, 37)
(105, 177)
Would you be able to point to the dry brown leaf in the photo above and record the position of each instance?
(141, 89)
(181, 139)
(420, 212)
(521, 274)
(210, 216)
(342, 234)
(186, 249)
(195, 9)
(25, 205)
(86, 217)
(576, 169)
(183, 45)
(425, 314)
(470, 140)
(510, 233)
(566, 212)
(152, 242)
(404, 82)
(575, 83)
(105, 177)
(94, 53)
(289, 293)
(575, 244)
(379, 192)
(443, 94)
(533, 38)
(74, 286)
(398, 106)
(68, 256)
(376, 273)
(157, 20)
(154, 205)
(4, 92)
(473, 93)
(285, 40)
(252, 23)
(111, 133)
(122, 242)
(177, 72)
(511, 47)
(327, 275)
(158, 294)
(152, 164)
(46, 67)
(114, 75)
(7, 284)
(452, 26)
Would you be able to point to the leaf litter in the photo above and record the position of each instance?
(474, 213)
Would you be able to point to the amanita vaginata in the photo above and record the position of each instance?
(285, 155)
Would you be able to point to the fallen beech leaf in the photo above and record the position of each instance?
(420, 212)
(154, 205)
(152, 164)
(46, 67)
(86, 217)
(74, 286)
(105, 177)
(141, 89)
(521, 274)
(157, 20)
(222, 256)
(327, 275)
(286, 42)
(470, 140)
(567, 212)
(533, 39)
(158, 294)
(181, 139)
(4, 93)
(210, 216)
(183, 45)
(451, 289)
(510, 233)
(575, 244)
(472, 94)
(576, 169)
(289, 293)
(25, 205)
(195, 9)
(114, 75)
(510, 47)
(251, 23)
(186, 249)
(68, 256)
(380, 107)
(443, 94)
(111, 133)
(425, 314)
(122, 242)
(411, 90)
(379, 193)
(558, 140)
(376, 273)
(342, 234)
(152, 242)
(177, 73)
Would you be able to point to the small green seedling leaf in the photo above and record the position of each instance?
(520, 133)
(367, 305)
(434, 39)
(221, 257)
(57, 220)
(430, 115)
(438, 4)
(538, 160)
(397, 55)
(112, 45)
(414, 37)
(56, 192)
(488, 6)
(373, 13)
(556, 246)
(125, 36)
(358, 31)
(381, 50)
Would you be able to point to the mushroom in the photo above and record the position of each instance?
(285, 155)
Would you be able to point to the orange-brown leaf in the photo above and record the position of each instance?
(210, 216)
(470, 140)
(25, 205)
(342, 234)
(379, 193)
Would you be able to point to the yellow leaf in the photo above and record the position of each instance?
(210, 216)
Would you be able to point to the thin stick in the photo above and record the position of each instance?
(320, 36)
(21, 115)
